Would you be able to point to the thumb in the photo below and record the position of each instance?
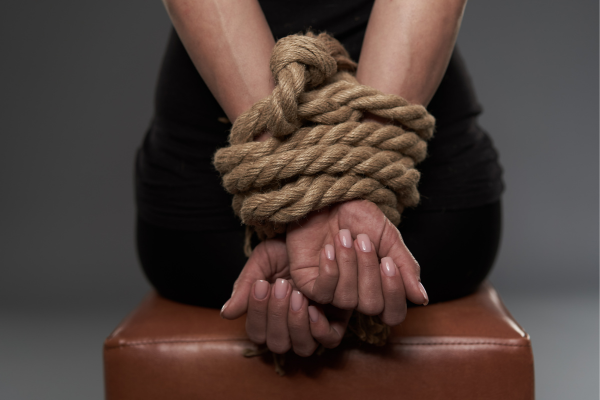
(392, 245)
(237, 305)
(267, 259)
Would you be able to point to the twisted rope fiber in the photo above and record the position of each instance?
(320, 153)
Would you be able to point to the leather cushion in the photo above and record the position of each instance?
(470, 348)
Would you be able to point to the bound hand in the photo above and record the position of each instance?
(277, 314)
(333, 256)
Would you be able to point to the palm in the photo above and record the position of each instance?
(305, 242)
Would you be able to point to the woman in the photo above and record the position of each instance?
(215, 68)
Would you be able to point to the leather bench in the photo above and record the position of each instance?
(470, 348)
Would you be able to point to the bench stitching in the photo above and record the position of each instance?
(145, 343)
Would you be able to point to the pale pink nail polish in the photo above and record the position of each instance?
(330, 252)
(346, 238)
(364, 242)
(224, 307)
(297, 300)
(313, 313)
(261, 289)
(281, 287)
(388, 266)
(424, 293)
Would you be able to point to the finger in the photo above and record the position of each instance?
(370, 297)
(267, 257)
(346, 291)
(393, 246)
(278, 336)
(324, 286)
(302, 341)
(237, 305)
(256, 320)
(328, 332)
(394, 311)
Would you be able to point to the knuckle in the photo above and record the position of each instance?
(278, 346)
(346, 261)
(371, 307)
(346, 303)
(370, 265)
(328, 337)
(323, 298)
(296, 324)
(256, 337)
(277, 313)
(304, 350)
(319, 334)
(295, 274)
(394, 292)
(330, 272)
(332, 342)
(393, 319)
(323, 339)
(255, 314)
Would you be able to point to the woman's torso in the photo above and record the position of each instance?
(177, 187)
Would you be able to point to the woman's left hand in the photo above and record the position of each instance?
(334, 258)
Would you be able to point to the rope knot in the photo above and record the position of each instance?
(320, 153)
(298, 53)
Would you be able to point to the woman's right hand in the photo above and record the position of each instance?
(277, 314)
(283, 319)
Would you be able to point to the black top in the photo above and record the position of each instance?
(177, 186)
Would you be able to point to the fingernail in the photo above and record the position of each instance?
(346, 238)
(330, 252)
(224, 307)
(261, 289)
(388, 266)
(364, 242)
(424, 293)
(281, 286)
(313, 313)
(297, 300)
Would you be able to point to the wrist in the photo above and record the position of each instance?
(263, 136)
(368, 117)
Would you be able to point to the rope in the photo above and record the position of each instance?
(320, 153)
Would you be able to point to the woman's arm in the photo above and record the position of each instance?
(230, 44)
(408, 45)
(406, 50)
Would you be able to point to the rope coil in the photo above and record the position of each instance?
(320, 153)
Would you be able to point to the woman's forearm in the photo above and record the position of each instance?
(230, 44)
(407, 46)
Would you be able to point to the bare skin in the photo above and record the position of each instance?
(278, 315)
(408, 45)
(406, 50)
(230, 44)
(378, 287)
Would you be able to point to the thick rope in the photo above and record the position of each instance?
(320, 153)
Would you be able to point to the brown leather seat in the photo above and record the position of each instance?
(469, 348)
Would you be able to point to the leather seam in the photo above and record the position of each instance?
(150, 342)
(462, 344)
(145, 343)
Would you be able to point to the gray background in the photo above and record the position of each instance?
(76, 87)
